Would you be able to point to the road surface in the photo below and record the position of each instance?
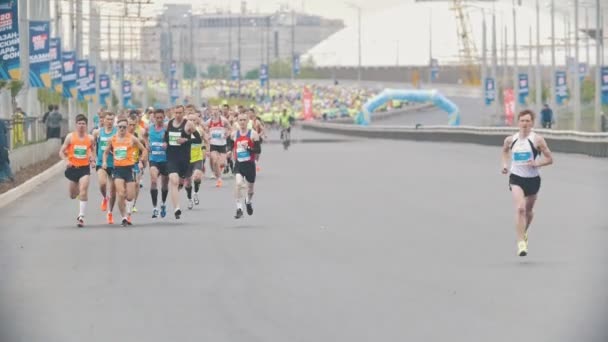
(351, 240)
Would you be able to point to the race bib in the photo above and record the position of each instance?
(217, 135)
(120, 153)
(80, 151)
(522, 157)
(242, 153)
(103, 144)
(173, 136)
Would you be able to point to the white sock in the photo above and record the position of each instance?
(129, 207)
(247, 199)
(239, 205)
(83, 208)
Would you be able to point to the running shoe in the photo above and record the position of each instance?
(110, 218)
(196, 201)
(249, 209)
(190, 204)
(134, 209)
(104, 204)
(178, 213)
(239, 214)
(125, 222)
(129, 219)
(219, 183)
(80, 221)
(163, 210)
(522, 247)
(154, 213)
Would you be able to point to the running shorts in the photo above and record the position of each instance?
(161, 167)
(530, 185)
(124, 172)
(218, 148)
(246, 169)
(75, 173)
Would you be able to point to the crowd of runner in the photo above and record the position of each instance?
(175, 145)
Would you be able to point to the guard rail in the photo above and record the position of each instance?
(591, 144)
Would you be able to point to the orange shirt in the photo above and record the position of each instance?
(124, 151)
(79, 150)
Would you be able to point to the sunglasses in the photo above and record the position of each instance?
(122, 127)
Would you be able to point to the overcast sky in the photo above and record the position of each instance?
(337, 9)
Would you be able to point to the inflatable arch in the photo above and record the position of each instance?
(412, 95)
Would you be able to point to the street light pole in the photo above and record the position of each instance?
(598, 66)
(359, 34)
(537, 78)
(577, 87)
(552, 78)
(515, 62)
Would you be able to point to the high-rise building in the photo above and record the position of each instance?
(213, 39)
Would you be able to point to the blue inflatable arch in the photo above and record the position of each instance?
(413, 95)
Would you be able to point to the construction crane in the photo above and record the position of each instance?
(467, 48)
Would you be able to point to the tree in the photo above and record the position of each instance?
(189, 71)
(253, 74)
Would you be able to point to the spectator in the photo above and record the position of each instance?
(546, 115)
(54, 123)
(5, 167)
(18, 127)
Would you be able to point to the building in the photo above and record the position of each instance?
(213, 39)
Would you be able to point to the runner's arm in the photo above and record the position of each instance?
(548, 157)
(142, 148)
(257, 146)
(93, 159)
(197, 137)
(506, 146)
(63, 150)
(105, 155)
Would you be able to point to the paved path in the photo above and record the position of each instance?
(360, 240)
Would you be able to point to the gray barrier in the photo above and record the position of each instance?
(591, 144)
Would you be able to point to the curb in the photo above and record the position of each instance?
(25, 188)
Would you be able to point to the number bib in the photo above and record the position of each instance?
(120, 153)
(173, 136)
(242, 153)
(80, 151)
(103, 144)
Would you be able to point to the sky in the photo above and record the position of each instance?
(334, 9)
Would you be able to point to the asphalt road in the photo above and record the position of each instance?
(351, 240)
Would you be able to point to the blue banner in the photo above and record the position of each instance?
(82, 68)
(561, 87)
(68, 71)
(173, 69)
(55, 64)
(296, 65)
(174, 91)
(126, 93)
(490, 91)
(263, 74)
(104, 89)
(90, 94)
(605, 85)
(9, 41)
(40, 75)
(524, 88)
(434, 69)
(235, 70)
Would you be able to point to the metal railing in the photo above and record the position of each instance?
(28, 130)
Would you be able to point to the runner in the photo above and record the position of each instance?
(102, 137)
(139, 166)
(246, 146)
(524, 148)
(256, 124)
(123, 147)
(178, 140)
(158, 162)
(78, 150)
(195, 170)
(219, 130)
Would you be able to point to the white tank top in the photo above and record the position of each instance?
(522, 152)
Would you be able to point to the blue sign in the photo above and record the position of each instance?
(174, 91)
(90, 94)
(68, 71)
(263, 74)
(605, 85)
(82, 79)
(490, 91)
(524, 88)
(40, 76)
(9, 41)
(55, 65)
(126, 93)
(173, 68)
(104, 89)
(296, 65)
(235, 70)
(435, 69)
(561, 87)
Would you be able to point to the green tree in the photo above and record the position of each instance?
(189, 71)
(217, 71)
(253, 74)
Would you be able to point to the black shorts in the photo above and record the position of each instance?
(123, 172)
(109, 171)
(178, 166)
(197, 165)
(245, 169)
(229, 144)
(75, 173)
(161, 167)
(530, 185)
(218, 148)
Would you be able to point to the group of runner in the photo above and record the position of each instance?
(174, 144)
